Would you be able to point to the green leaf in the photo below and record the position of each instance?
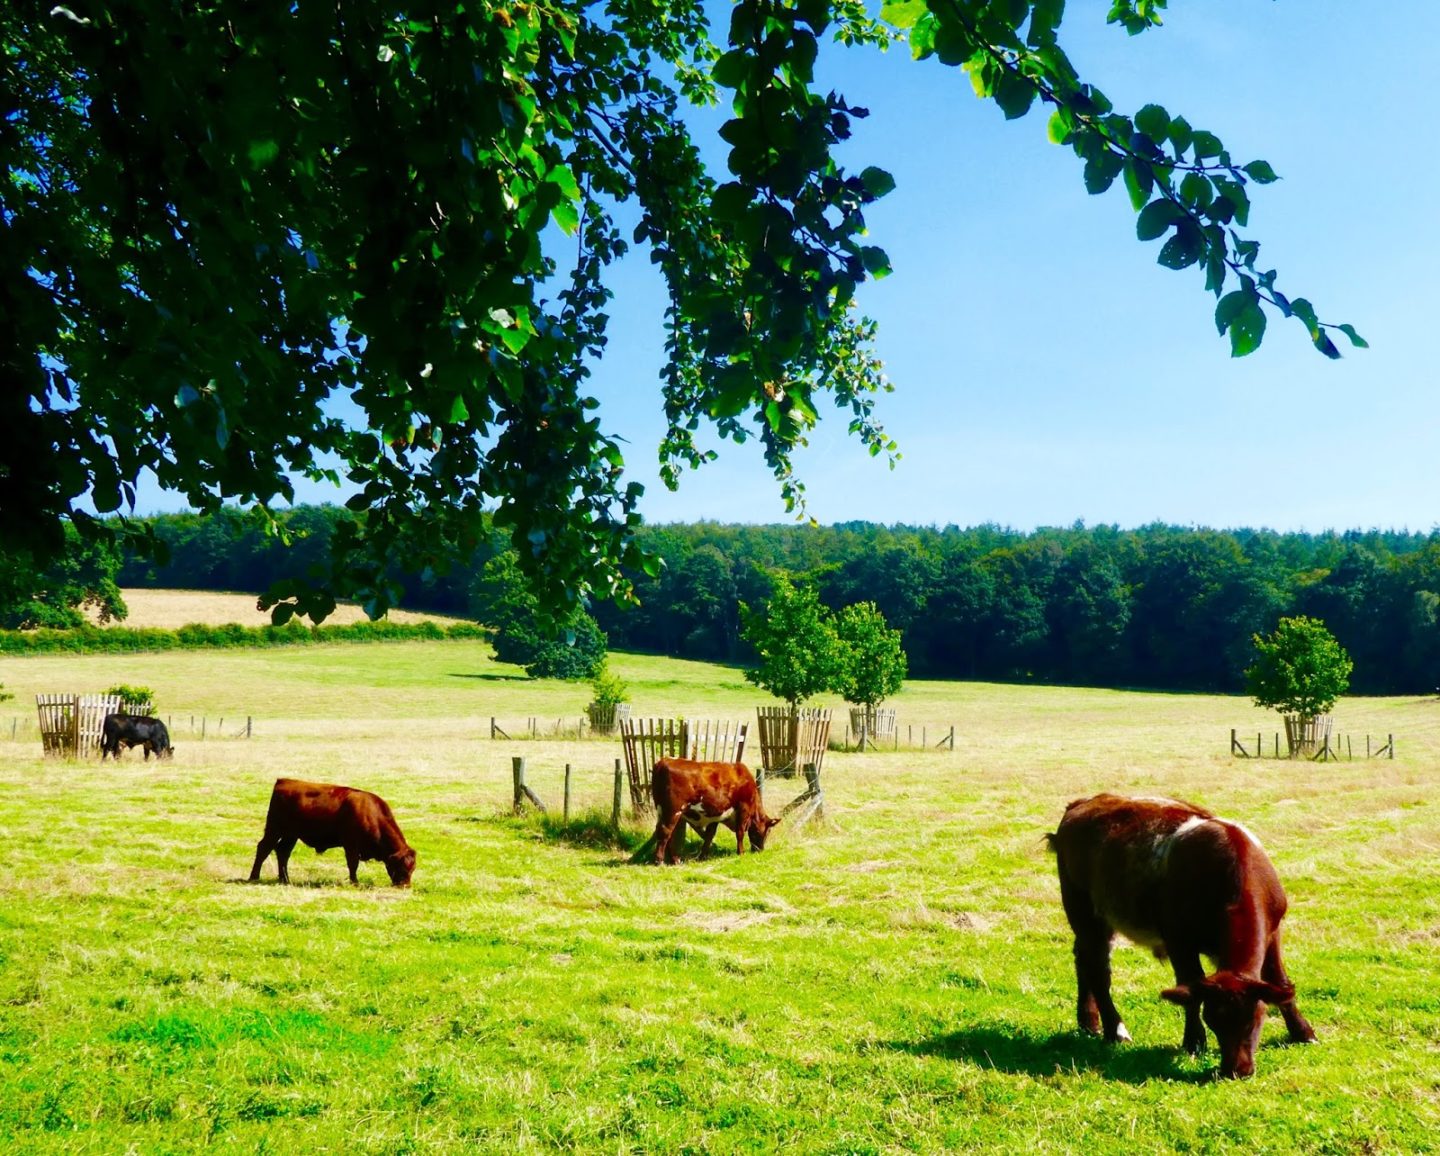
(1247, 330)
(567, 216)
(1230, 307)
(1325, 345)
(1139, 180)
(902, 13)
(1196, 190)
(733, 68)
(1014, 95)
(1101, 171)
(1181, 134)
(1183, 249)
(1260, 172)
(1355, 339)
(1157, 217)
(877, 181)
(459, 411)
(875, 260)
(1153, 121)
(1207, 144)
(1058, 129)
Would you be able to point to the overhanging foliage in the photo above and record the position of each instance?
(250, 242)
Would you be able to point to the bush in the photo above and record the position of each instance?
(132, 698)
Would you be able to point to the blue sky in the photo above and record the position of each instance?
(1048, 370)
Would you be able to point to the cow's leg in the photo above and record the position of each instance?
(1273, 971)
(262, 850)
(664, 832)
(1189, 972)
(283, 847)
(1095, 1011)
(708, 833)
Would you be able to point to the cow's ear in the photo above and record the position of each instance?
(1183, 994)
(1270, 992)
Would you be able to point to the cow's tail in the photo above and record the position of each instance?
(1050, 842)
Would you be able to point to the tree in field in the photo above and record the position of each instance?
(248, 243)
(872, 665)
(1299, 669)
(794, 635)
(571, 648)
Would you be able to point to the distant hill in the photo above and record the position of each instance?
(169, 609)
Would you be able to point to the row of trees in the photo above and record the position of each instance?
(1157, 606)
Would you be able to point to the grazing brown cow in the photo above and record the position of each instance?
(322, 816)
(705, 795)
(1174, 878)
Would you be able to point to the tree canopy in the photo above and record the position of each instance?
(1299, 668)
(365, 242)
(794, 636)
(872, 655)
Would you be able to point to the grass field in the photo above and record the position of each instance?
(898, 979)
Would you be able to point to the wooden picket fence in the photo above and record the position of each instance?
(70, 724)
(647, 740)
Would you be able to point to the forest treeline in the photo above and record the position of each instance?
(1158, 606)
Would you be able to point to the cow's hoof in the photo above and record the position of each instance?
(1121, 1035)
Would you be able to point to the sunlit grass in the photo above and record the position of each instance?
(896, 979)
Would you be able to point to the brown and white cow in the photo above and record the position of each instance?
(1172, 877)
(704, 795)
(322, 815)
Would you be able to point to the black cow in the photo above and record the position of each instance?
(134, 730)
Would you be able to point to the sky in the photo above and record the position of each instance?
(1046, 369)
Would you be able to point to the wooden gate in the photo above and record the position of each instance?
(70, 724)
(789, 740)
(648, 740)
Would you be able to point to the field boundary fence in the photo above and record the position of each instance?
(806, 806)
(1331, 748)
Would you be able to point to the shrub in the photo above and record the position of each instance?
(133, 698)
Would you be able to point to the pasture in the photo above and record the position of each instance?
(898, 979)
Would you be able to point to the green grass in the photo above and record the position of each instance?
(897, 979)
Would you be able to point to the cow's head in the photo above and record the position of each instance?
(1233, 1006)
(760, 827)
(401, 866)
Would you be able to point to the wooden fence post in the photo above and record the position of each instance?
(1392, 746)
(522, 792)
(248, 721)
(615, 804)
(952, 738)
(567, 793)
(202, 726)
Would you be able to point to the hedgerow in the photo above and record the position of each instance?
(125, 639)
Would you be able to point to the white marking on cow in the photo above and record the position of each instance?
(1244, 830)
(698, 818)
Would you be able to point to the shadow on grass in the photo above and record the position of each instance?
(1022, 1054)
(489, 677)
(591, 829)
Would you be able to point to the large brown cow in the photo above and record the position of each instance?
(1174, 878)
(705, 795)
(322, 816)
